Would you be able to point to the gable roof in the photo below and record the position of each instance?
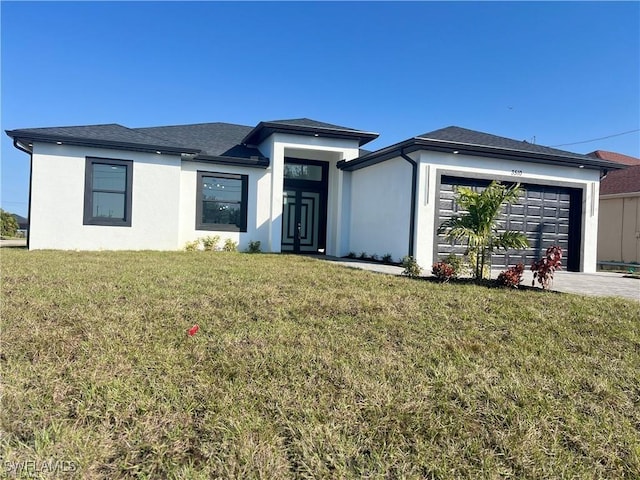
(621, 181)
(615, 157)
(460, 140)
(306, 126)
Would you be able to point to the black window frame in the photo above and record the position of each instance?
(244, 196)
(88, 218)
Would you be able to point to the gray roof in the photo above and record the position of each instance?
(465, 136)
(213, 139)
(470, 142)
(306, 126)
(108, 135)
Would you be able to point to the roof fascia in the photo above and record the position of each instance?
(264, 129)
(31, 137)
(256, 162)
(418, 143)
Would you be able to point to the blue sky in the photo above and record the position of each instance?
(559, 72)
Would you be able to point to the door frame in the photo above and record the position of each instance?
(320, 187)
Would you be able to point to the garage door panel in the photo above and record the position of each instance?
(542, 213)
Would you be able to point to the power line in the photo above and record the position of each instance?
(596, 139)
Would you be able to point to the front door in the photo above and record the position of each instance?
(304, 209)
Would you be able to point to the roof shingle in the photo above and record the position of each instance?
(621, 181)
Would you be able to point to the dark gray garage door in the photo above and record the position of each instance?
(548, 215)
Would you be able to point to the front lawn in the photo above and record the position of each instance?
(305, 369)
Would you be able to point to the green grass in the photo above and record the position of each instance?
(304, 369)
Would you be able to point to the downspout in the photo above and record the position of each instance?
(17, 145)
(412, 221)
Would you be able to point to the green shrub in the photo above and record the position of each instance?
(193, 246)
(9, 226)
(254, 247)
(411, 267)
(363, 256)
(375, 257)
(387, 258)
(210, 243)
(230, 246)
(351, 255)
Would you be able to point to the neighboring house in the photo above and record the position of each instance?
(619, 227)
(298, 186)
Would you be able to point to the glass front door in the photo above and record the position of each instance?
(304, 209)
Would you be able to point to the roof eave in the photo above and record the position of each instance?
(264, 129)
(31, 137)
(419, 143)
(256, 162)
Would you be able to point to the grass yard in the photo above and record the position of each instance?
(304, 369)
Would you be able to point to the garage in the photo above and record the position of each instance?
(548, 214)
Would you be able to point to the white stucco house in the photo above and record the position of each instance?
(298, 186)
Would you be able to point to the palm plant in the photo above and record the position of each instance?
(478, 226)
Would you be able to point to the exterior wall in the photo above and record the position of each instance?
(257, 205)
(619, 228)
(434, 164)
(277, 147)
(57, 201)
(380, 209)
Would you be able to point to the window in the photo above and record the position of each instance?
(221, 202)
(107, 192)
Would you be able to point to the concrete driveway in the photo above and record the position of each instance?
(604, 284)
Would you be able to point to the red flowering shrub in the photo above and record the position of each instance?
(544, 268)
(512, 276)
(443, 271)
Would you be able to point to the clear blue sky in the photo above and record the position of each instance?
(559, 72)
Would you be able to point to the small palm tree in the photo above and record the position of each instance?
(478, 225)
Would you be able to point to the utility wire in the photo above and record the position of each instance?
(596, 139)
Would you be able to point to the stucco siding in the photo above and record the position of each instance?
(258, 205)
(381, 209)
(57, 201)
(435, 164)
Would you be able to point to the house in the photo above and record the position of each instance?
(619, 227)
(298, 186)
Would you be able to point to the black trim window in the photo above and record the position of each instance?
(221, 202)
(107, 192)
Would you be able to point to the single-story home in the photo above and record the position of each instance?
(619, 227)
(298, 186)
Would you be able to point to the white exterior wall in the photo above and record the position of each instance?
(433, 164)
(381, 208)
(280, 145)
(257, 205)
(57, 201)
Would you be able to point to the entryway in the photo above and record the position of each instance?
(304, 209)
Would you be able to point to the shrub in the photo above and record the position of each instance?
(351, 255)
(362, 256)
(230, 246)
(512, 276)
(210, 243)
(9, 226)
(544, 268)
(254, 247)
(411, 267)
(387, 258)
(443, 271)
(193, 246)
(457, 263)
(375, 257)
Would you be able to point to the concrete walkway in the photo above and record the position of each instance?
(603, 284)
